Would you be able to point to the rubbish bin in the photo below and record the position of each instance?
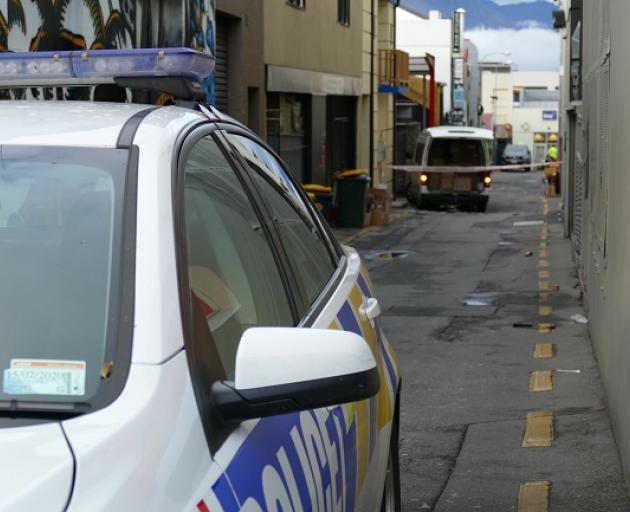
(322, 196)
(352, 187)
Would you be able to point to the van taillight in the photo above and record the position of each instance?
(424, 177)
(487, 180)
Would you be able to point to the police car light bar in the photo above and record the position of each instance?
(93, 67)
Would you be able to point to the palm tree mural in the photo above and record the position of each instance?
(15, 16)
(52, 35)
(108, 33)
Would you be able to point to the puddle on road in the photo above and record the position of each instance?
(527, 223)
(479, 299)
(386, 255)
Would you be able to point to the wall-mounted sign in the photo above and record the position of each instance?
(458, 31)
(459, 97)
(458, 70)
(550, 115)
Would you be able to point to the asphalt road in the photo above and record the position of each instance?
(450, 305)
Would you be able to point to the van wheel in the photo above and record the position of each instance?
(481, 207)
(391, 491)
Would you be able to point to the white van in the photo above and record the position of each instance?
(447, 147)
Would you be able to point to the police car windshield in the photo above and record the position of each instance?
(60, 239)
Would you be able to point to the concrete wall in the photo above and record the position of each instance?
(418, 36)
(383, 104)
(311, 38)
(597, 135)
(243, 20)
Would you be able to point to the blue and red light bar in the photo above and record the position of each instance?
(93, 67)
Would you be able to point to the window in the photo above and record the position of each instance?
(457, 152)
(305, 244)
(232, 272)
(343, 12)
(300, 4)
(61, 233)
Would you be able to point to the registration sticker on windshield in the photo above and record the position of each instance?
(44, 377)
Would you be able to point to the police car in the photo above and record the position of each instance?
(180, 329)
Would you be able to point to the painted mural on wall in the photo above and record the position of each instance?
(42, 25)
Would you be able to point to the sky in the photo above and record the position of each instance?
(531, 48)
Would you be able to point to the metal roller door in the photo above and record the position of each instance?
(222, 72)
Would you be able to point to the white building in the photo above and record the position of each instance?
(521, 106)
(418, 35)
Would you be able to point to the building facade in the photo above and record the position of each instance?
(419, 35)
(522, 107)
(595, 184)
(320, 107)
(473, 84)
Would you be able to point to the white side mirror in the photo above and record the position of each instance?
(280, 370)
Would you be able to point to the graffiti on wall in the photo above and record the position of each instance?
(45, 25)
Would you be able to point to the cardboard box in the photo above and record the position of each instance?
(380, 202)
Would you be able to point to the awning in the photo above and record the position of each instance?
(304, 81)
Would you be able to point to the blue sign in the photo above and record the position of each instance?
(550, 115)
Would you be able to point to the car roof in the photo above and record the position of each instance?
(70, 123)
(460, 132)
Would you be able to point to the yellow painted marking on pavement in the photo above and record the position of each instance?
(543, 245)
(546, 327)
(543, 263)
(544, 274)
(544, 350)
(356, 235)
(534, 496)
(543, 285)
(543, 297)
(541, 380)
(543, 253)
(543, 236)
(544, 310)
(538, 429)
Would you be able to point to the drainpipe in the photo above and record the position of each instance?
(432, 113)
(372, 34)
(396, 4)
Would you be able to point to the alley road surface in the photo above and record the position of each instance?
(449, 308)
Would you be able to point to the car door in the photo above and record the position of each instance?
(334, 292)
(233, 278)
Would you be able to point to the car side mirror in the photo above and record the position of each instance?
(281, 370)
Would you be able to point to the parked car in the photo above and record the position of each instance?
(444, 153)
(516, 154)
(181, 329)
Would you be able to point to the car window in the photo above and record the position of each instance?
(420, 145)
(60, 247)
(252, 151)
(306, 247)
(456, 152)
(232, 271)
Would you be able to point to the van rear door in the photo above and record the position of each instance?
(456, 152)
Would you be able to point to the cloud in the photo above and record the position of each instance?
(532, 48)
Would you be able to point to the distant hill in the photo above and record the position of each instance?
(487, 14)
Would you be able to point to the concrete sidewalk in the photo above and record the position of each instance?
(465, 310)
